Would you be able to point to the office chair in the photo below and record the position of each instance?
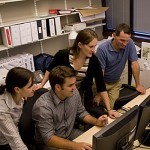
(127, 93)
(26, 124)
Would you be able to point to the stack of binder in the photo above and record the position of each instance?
(24, 33)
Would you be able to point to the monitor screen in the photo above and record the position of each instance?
(119, 134)
(143, 120)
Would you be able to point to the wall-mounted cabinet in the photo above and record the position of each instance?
(24, 12)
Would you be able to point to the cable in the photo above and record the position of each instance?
(143, 142)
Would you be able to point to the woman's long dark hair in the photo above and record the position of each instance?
(16, 77)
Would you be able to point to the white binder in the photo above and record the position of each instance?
(28, 32)
(58, 26)
(44, 29)
(15, 35)
(34, 31)
(52, 27)
(23, 34)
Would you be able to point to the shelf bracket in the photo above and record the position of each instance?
(1, 21)
(41, 45)
(90, 4)
(35, 7)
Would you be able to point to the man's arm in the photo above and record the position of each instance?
(136, 74)
(101, 121)
(62, 143)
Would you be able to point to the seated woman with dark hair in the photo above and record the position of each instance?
(19, 86)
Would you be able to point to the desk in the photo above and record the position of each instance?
(88, 135)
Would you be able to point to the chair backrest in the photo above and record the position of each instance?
(26, 124)
(127, 93)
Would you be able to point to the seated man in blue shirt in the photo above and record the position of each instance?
(55, 113)
(113, 55)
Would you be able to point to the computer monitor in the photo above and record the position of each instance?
(143, 120)
(118, 135)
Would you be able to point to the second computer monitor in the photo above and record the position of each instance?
(119, 134)
(143, 120)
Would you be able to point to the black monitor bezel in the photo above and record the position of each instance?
(143, 120)
(118, 123)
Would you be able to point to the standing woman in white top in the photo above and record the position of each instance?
(19, 86)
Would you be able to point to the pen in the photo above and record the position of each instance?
(105, 119)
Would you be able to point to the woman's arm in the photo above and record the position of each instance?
(101, 88)
(45, 79)
(104, 96)
(60, 58)
(11, 133)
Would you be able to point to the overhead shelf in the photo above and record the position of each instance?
(2, 48)
(31, 11)
(20, 20)
(8, 1)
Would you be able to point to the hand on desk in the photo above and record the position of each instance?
(104, 96)
(82, 146)
(113, 114)
(140, 89)
(102, 121)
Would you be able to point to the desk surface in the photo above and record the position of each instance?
(87, 136)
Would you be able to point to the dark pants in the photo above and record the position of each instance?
(5, 147)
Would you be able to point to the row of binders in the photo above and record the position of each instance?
(24, 33)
